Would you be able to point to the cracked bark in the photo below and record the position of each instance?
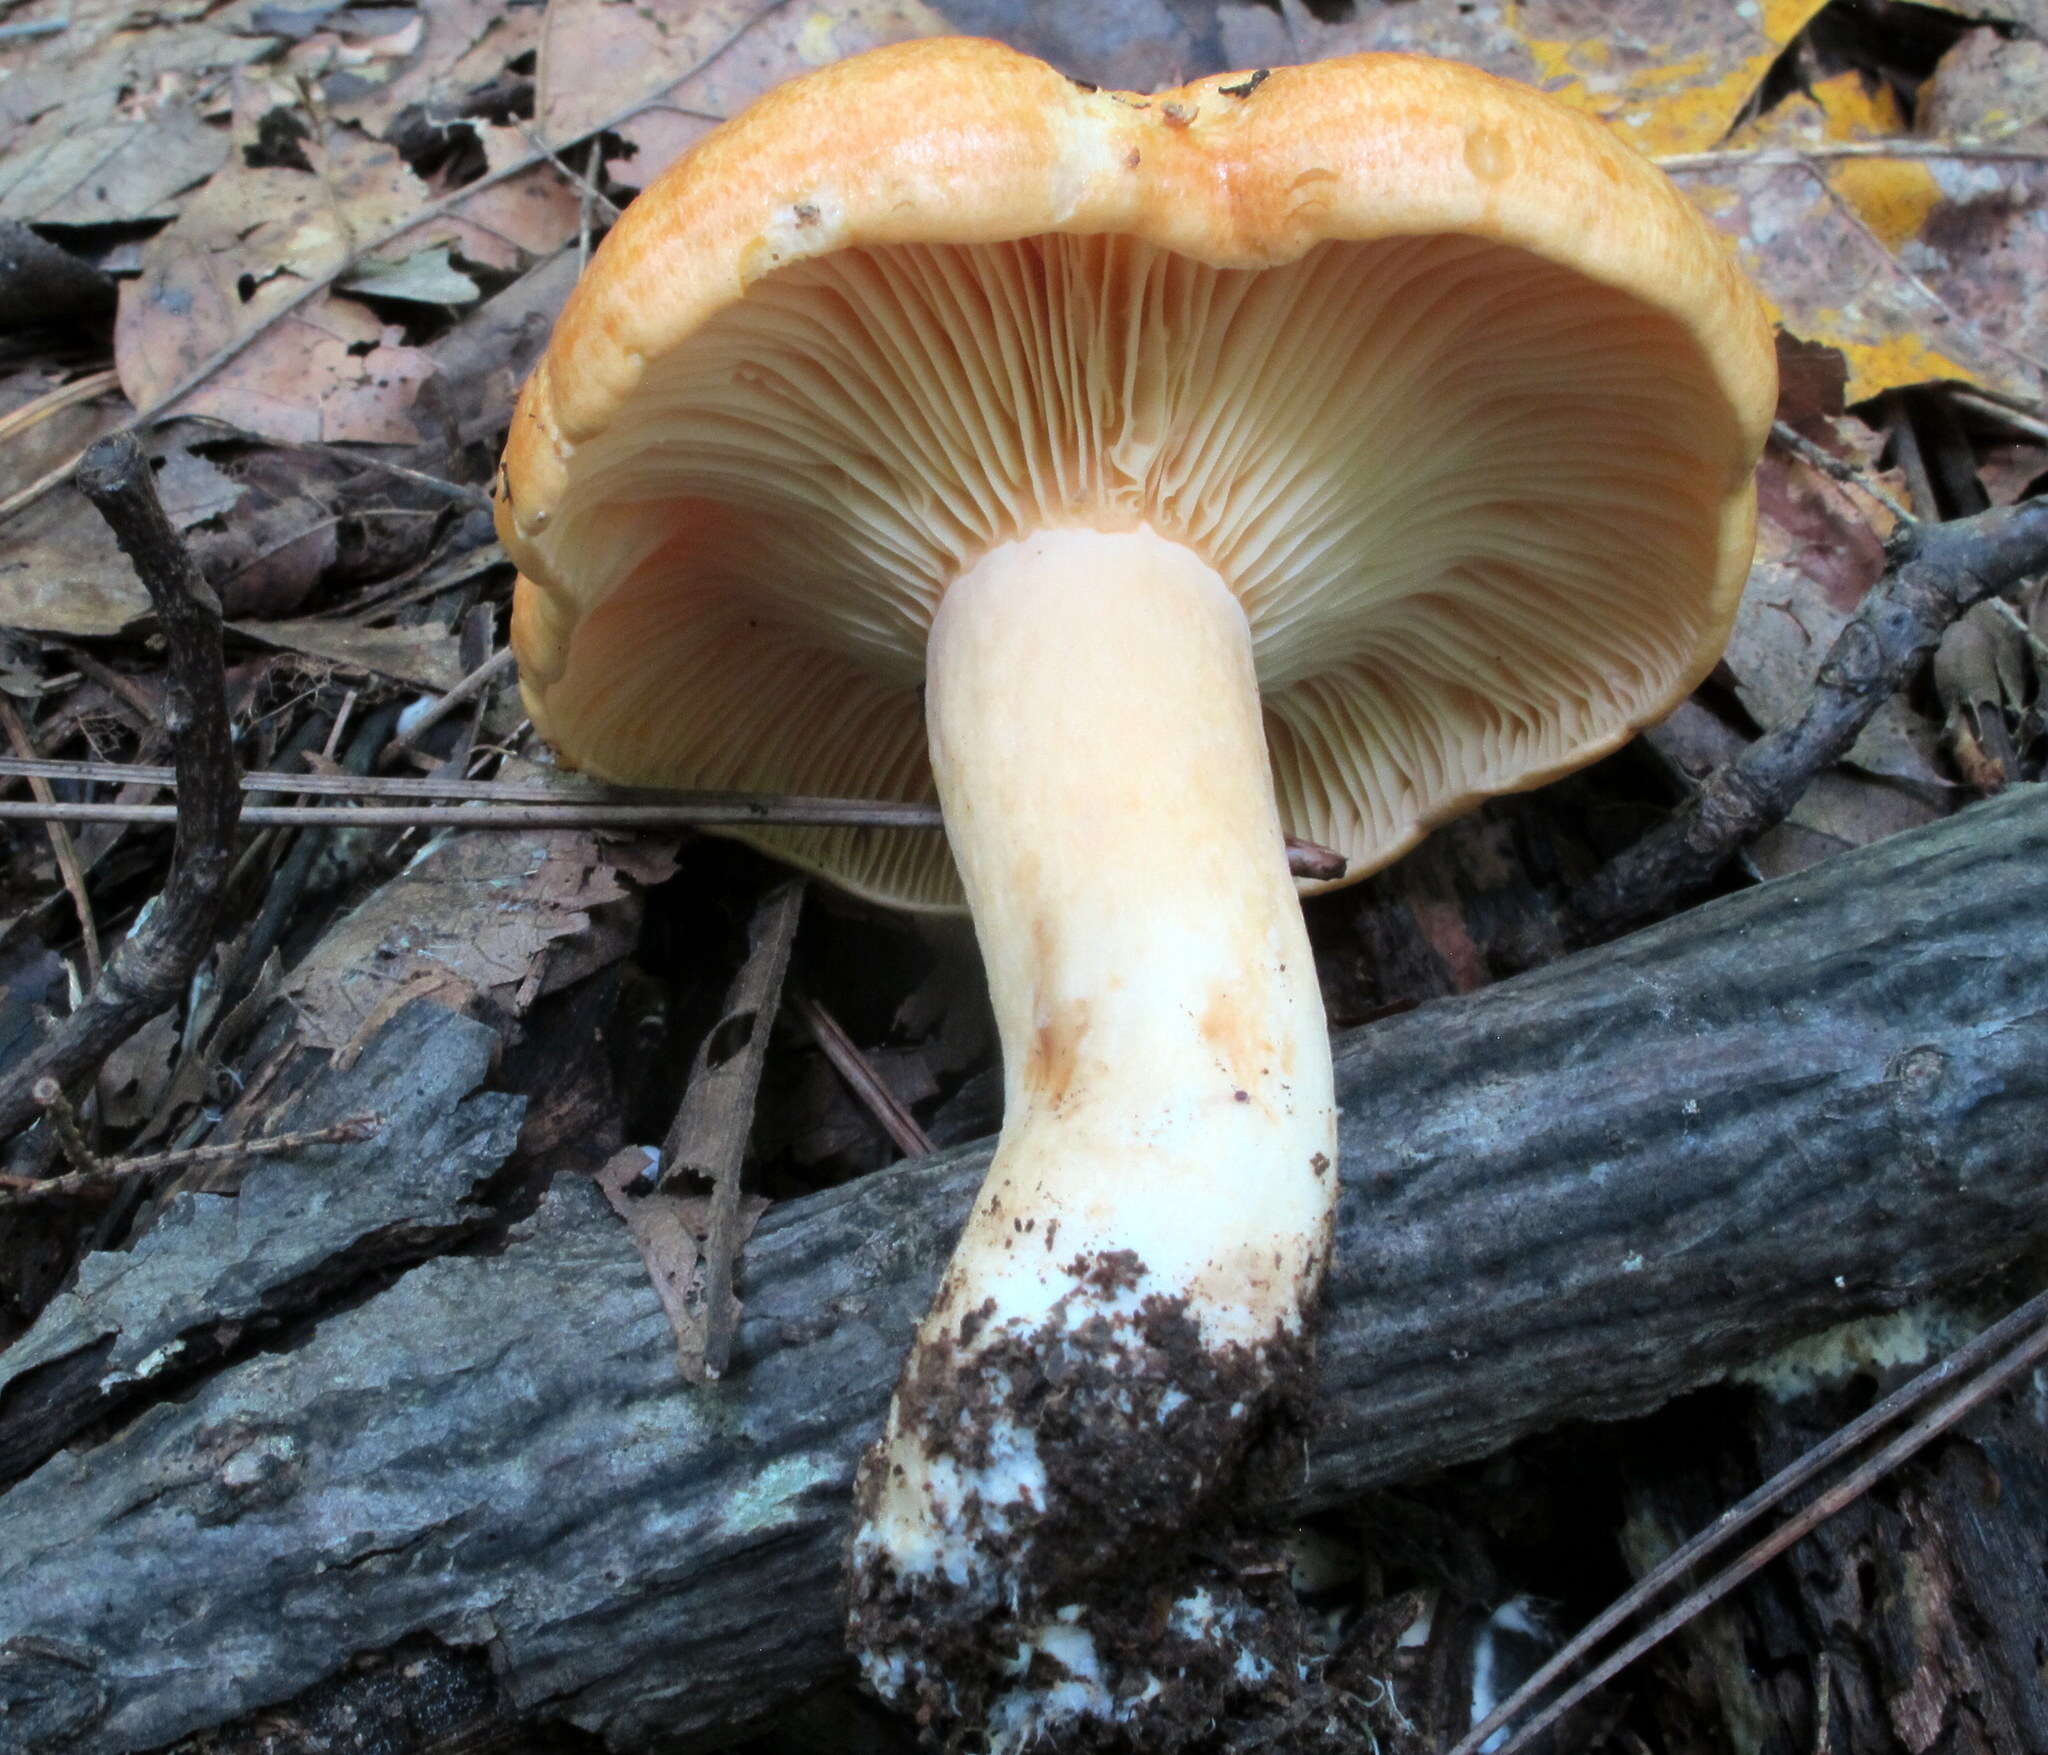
(1573, 1195)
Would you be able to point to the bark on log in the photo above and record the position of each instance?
(1574, 1195)
(1914, 1620)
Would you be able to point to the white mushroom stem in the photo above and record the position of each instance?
(1167, 1159)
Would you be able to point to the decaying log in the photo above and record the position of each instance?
(1574, 1195)
(308, 1228)
(1913, 1620)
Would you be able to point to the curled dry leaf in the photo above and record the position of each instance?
(1990, 676)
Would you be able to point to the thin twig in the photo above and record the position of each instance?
(1734, 157)
(1837, 469)
(2017, 418)
(1936, 572)
(1312, 860)
(862, 1079)
(2037, 648)
(588, 193)
(33, 413)
(149, 971)
(470, 686)
(63, 1120)
(580, 794)
(356, 1127)
(2014, 1344)
(548, 807)
(738, 811)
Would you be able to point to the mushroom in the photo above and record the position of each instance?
(1316, 450)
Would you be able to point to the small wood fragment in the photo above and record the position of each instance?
(708, 1138)
(862, 1079)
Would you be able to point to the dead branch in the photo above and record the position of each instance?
(102, 1173)
(1936, 572)
(1971, 1375)
(149, 970)
(1571, 1196)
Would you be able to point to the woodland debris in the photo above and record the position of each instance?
(708, 1138)
(310, 1223)
(149, 970)
(1970, 1376)
(42, 283)
(1936, 572)
(1592, 1141)
(90, 1173)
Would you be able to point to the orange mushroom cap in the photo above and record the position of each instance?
(1454, 390)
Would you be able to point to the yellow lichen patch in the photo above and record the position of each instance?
(1890, 196)
(1896, 361)
(1852, 108)
(1893, 197)
(1694, 117)
(1683, 99)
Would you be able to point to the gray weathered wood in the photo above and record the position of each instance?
(1574, 1195)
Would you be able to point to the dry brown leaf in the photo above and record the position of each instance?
(1667, 78)
(424, 656)
(60, 572)
(1816, 559)
(668, 1230)
(248, 268)
(1915, 269)
(1840, 810)
(475, 920)
(665, 75)
(104, 122)
(244, 250)
(136, 1076)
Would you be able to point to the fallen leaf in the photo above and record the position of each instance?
(484, 920)
(424, 655)
(426, 277)
(1841, 809)
(60, 571)
(105, 122)
(1815, 561)
(669, 1230)
(1914, 268)
(136, 1075)
(1667, 78)
(661, 77)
